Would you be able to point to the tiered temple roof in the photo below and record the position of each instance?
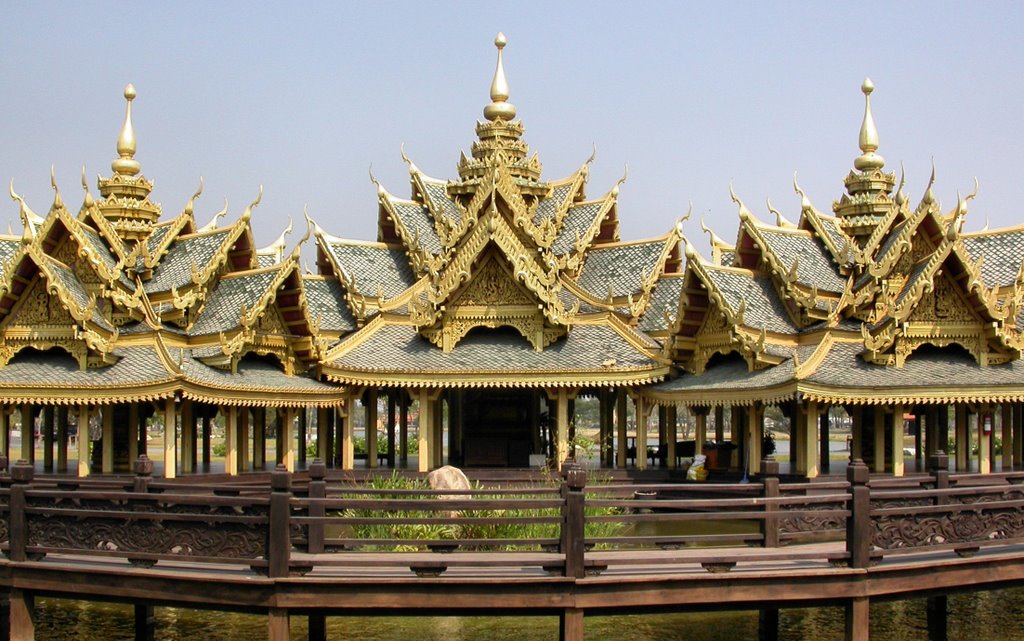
(501, 278)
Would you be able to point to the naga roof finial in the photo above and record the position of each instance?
(499, 108)
(126, 163)
(868, 134)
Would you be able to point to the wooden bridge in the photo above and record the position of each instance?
(306, 545)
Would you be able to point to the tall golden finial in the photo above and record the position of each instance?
(126, 163)
(499, 108)
(868, 134)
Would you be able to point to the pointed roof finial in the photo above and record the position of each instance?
(126, 163)
(499, 108)
(868, 134)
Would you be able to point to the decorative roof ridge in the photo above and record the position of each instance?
(421, 258)
(718, 245)
(211, 225)
(241, 273)
(356, 338)
(804, 303)
(810, 365)
(586, 296)
(639, 340)
(550, 229)
(791, 231)
(276, 248)
(173, 367)
(447, 230)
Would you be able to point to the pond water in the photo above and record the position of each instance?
(975, 616)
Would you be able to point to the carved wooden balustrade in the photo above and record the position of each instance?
(568, 529)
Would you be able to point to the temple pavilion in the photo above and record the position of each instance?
(487, 306)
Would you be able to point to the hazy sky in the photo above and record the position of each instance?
(303, 98)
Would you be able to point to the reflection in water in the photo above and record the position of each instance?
(978, 616)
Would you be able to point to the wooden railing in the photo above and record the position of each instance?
(568, 528)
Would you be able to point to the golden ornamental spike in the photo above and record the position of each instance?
(126, 163)
(868, 134)
(500, 108)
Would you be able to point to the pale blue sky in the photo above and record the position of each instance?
(302, 98)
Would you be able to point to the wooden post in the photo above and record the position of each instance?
(231, 441)
(879, 433)
(898, 430)
(302, 436)
(145, 622)
(243, 433)
(279, 538)
(347, 441)
(259, 438)
(919, 436)
(770, 523)
(21, 478)
(286, 439)
(620, 428)
(857, 620)
(824, 442)
(807, 424)
(938, 466)
(188, 438)
(170, 439)
(321, 434)
(28, 434)
(317, 490)
(437, 430)
(985, 428)
(83, 441)
(5, 431)
(317, 626)
(672, 415)
(755, 434)
(931, 431)
(207, 434)
(938, 629)
(392, 405)
(768, 624)
(643, 412)
(561, 398)
(700, 431)
(572, 535)
(858, 524)
(1007, 437)
(856, 432)
(62, 438)
(403, 428)
(107, 465)
(1018, 435)
(426, 417)
(133, 433)
(719, 424)
(570, 625)
(278, 625)
(22, 615)
(143, 468)
(963, 439)
(48, 418)
(370, 410)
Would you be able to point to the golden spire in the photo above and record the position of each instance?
(126, 163)
(499, 107)
(868, 134)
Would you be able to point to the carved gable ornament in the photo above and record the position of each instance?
(492, 298)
